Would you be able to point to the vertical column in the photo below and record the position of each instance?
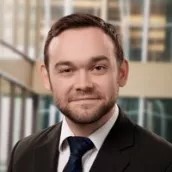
(47, 15)
(11, 118)
(149, 115)
(47, 19)
(104, 9)
(6, 100)
(145, 32)
(141, 111)
(68, 7)
(1, 26)
(37, 28)
(0, 113)
(2, 18)
(162, 118)
(35, 113)
(52, 115)
(15, 23)
(17, 114)
(23, 114)
(144, 53)
(125, 26)
(27, 26)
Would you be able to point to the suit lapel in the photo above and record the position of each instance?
(46, 154)
(114, 155)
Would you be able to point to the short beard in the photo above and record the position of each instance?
(96, 116)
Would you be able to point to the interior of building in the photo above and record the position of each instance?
(26, 107)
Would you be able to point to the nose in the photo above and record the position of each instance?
(83, 81)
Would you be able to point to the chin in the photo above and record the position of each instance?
(82, 120)
(84, 115)
(87, 113)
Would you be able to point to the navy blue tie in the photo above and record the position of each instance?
(78, 147)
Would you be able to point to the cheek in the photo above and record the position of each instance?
(60, 89)
(108, 86)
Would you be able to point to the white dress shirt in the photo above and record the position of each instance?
(97, 138)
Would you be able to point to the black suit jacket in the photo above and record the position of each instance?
(127, 148)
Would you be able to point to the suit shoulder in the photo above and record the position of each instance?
(152, 142)
(35, 139)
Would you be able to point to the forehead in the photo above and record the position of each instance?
(79, 44)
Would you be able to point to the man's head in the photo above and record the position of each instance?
(84, 67)
(75, 21)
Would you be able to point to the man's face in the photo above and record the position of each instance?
(84, 76)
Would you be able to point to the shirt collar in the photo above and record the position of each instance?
(100, 134)
(97, 137)
(65, 133)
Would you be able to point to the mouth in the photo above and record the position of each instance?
(84, 99)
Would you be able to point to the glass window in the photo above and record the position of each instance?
(131, 21)
(158, 117)
(160, 31)
(113, 10)
(57, 10)
(157, 114)
(48, 114)
(87, 6)
(130, 106)
(135, 43)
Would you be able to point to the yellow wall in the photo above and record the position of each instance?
(145, 79)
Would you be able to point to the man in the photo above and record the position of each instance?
(84, 67)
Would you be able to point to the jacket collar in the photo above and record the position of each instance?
(114, 154)
(46, 153)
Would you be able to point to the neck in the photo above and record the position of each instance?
(87, 129)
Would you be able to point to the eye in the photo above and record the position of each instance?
(99, 69)
(65, 70)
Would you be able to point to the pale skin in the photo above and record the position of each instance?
(84, 77)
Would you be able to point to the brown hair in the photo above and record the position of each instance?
(80, 20)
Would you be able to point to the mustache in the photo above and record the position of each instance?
(84, 96)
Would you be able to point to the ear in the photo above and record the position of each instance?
(123, 73)
(45, 77)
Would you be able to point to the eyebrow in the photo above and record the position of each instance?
(63, 63)
(93, 59)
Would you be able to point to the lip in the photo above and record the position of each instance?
(84, 99)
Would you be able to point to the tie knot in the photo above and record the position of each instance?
(79, 145)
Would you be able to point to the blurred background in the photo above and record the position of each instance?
(146, 29)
